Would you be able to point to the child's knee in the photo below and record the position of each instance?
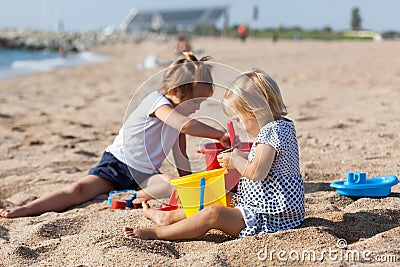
(75, 189)
(212, 213)
(167, 177)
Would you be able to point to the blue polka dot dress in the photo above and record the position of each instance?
(277, 202)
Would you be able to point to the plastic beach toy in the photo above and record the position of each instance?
(116, 204)
(231, 131)
(168, 207)
(211, 150)
(173, 203)
(202, 191)
(199, 190)
(357, 185)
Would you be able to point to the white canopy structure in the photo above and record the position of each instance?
(173, 19)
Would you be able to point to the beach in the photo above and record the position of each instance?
(342, 96)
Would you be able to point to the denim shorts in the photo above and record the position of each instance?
(118, 173)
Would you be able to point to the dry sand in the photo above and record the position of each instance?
(343, 97)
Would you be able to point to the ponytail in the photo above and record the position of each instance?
(179, 78)
(191, 57)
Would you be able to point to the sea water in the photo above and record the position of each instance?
(14, 62)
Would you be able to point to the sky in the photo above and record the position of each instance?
(94, 15)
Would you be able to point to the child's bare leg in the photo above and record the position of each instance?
(83, 190)
(228, 220)
(163, 218)
(155, 187)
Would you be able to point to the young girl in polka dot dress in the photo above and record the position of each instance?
(270, 195)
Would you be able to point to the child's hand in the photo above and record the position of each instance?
(224, 160)
(225, 141)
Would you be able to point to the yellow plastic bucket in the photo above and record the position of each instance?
(190, 192)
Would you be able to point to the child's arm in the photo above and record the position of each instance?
(190, 126)
(257, 169)
(180, 156)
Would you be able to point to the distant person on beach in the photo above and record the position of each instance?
(270, 195)
(275, 36)
(182, 45)
(63, 51)
(157, 126)
(242, 32)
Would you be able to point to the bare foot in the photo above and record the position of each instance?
(157, 216)
(14, 212)
(142, 233)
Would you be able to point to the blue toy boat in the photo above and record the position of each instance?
(356, 185)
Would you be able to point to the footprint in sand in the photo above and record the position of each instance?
(67, 166)
(60, 227)
(35, 252)
(340, 202)
(312, 104)
(4, 233)
(67, 136)
(340, 126)
(162, 248)
(307, 118)
(26, 253)
(18, 129)
(5, 116)
(86, 153)
(36, 143)
(81, 124)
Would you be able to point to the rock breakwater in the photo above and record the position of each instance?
(69, 41)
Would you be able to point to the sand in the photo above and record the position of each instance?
(343, 97)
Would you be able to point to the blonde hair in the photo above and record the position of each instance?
(181, 76)
(254, 93)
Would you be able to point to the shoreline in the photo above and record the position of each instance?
(23, 67)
